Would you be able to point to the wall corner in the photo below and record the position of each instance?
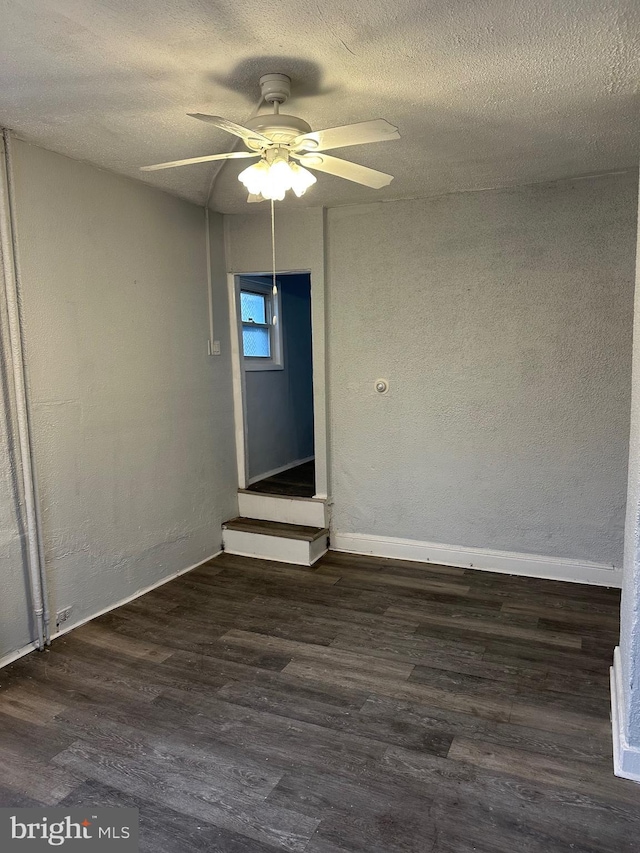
(626, 758)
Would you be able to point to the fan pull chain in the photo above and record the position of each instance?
(273, 257)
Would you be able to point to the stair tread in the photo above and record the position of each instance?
(276, 528)
(280, 497)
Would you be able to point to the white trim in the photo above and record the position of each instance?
(12, 656)
(273, 307)
(626, 759)
(506, 562)
(280, 549)
(238, 378)
(318, 548)
(257, 366)
(279, 470)
(282, 508)
(319, 321)
(7, 659)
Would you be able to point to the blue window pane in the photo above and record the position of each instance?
(256, 342)
(252, 307)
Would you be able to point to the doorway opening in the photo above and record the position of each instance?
(275, 357)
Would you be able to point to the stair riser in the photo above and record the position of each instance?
(277, 548)
(286, 510)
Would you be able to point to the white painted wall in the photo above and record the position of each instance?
(502, 320)
(279, 403)
(133, 425)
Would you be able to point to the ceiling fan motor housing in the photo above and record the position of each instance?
(278, 127)
(276, 88)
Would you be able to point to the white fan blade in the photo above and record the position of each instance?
(254, 140)
(253, 199)
(232, 155)
(345, 169)
(377, 130)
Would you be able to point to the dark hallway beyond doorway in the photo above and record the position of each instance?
(298, 482)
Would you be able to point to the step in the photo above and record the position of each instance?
(275, 540)
(290, 510)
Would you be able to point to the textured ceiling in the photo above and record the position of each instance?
(486, 93)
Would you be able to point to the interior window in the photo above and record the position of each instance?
(256, 334)
(260, 325)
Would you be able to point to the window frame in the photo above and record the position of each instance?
(272, 310)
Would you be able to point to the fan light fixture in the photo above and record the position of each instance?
(271, 180)
(282, 145)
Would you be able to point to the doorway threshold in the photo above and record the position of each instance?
(297, 482)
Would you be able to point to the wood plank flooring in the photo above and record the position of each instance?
(359, 706)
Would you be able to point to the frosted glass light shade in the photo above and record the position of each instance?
(301, 179)
(272, 181)
(253, 176)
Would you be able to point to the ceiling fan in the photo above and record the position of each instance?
(285, 145)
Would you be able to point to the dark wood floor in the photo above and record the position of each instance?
(363, 706)
(298, 482)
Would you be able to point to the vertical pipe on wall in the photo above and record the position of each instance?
(207, 238)
(11, 276)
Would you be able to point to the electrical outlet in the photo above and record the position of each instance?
(62, 615)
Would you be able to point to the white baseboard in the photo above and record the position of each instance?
(25, 650)
(19, 653)
(279, 470)
(626, 759)
(506, 562)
